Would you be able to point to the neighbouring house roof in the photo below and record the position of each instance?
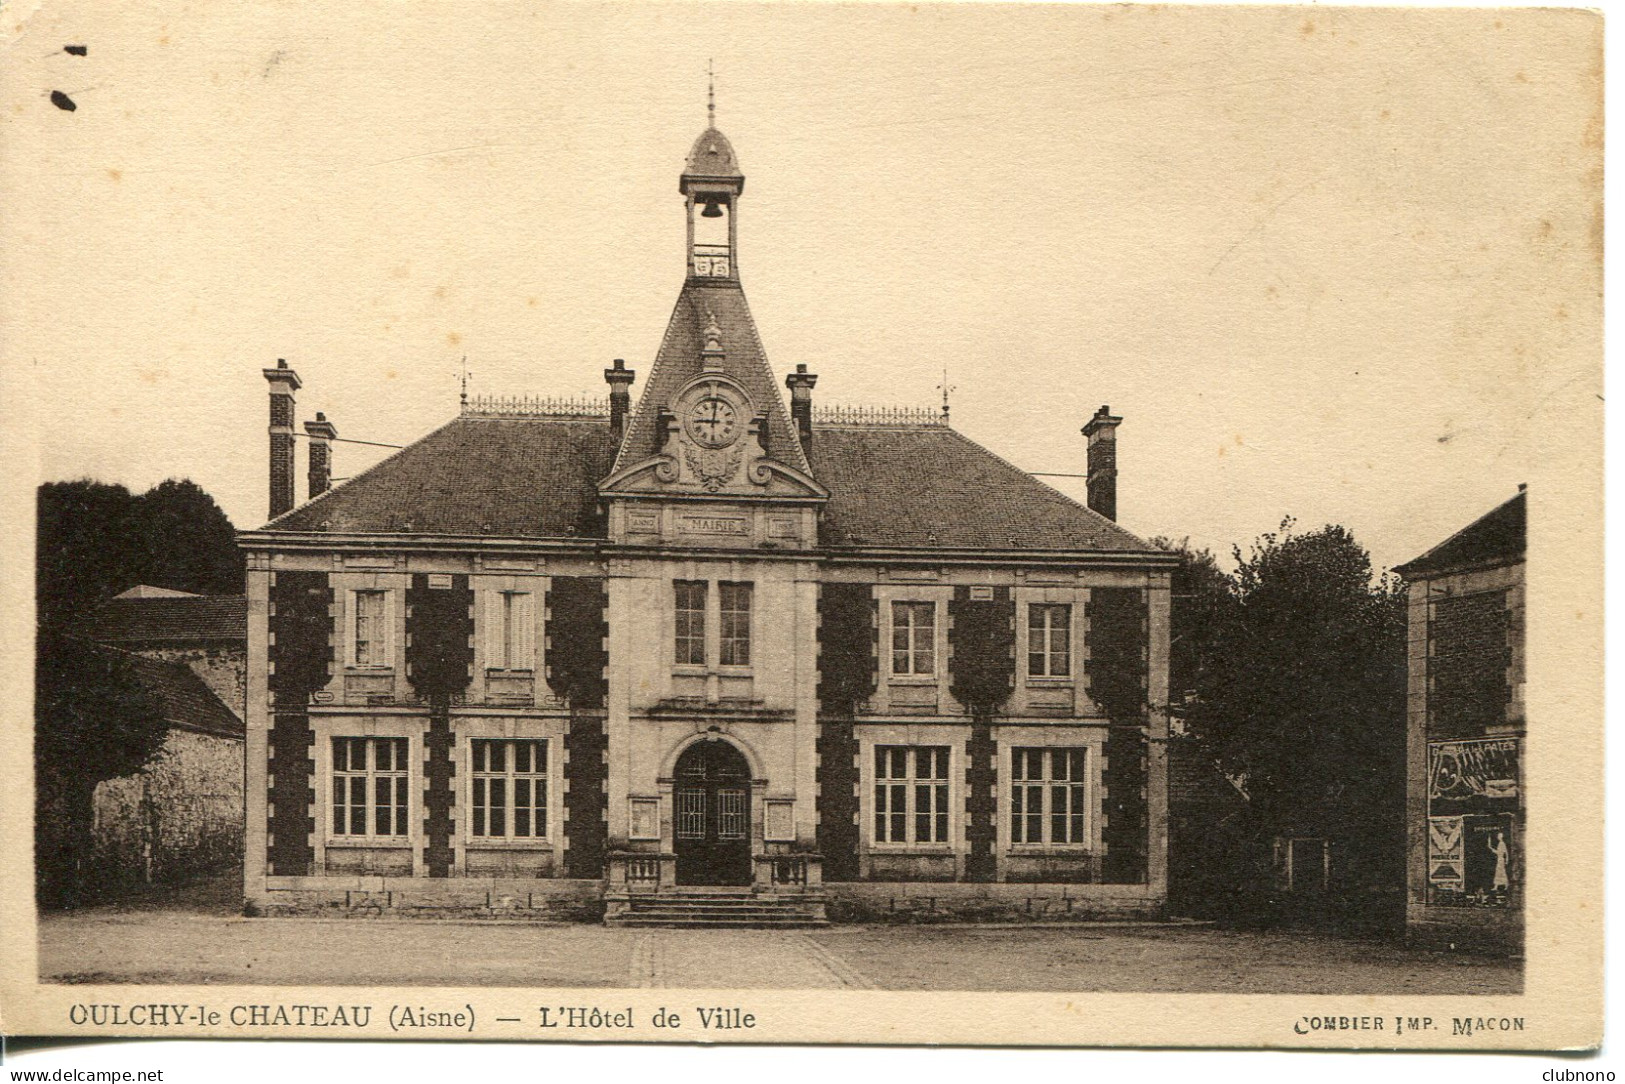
(1494, 538)
(169, 620)
(187, 702)
(146, 590)
(679, 361)
(904, 487)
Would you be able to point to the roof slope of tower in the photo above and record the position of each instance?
(932, 488)
(712, 156)
(678, 362)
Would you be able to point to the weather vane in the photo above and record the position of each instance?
(463, 399)
(945, 388)
(710, 94)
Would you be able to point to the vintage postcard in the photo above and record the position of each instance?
(1129, 574)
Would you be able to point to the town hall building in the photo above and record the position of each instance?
(714, 655)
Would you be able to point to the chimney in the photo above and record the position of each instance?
(284, 382)
(321, 433)
(801, 384)
(619, 378)
(1101, 433)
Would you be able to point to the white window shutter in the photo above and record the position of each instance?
(348, 622)
(493, 630)
(388, 631)
(524, 620)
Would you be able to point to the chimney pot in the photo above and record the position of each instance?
(801, 384)
(321, 433)
(284, 383)
(1101, 433)
(619, 378)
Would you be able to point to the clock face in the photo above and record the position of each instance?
(713, 422)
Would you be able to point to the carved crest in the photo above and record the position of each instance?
(714, 467)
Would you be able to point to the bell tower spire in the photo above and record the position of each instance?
(711, 184)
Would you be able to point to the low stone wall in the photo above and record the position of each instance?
(917, 902)
(533, 900)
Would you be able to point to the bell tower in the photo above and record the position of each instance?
(711, 184)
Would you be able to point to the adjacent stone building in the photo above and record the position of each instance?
(570, 658)
(1465, 808)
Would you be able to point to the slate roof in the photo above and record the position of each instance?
(712, 156)
(514, 477)
(1493, 538)
(901, 487)
(187, 701)
(678, 362)
(138, 620)
(931, 487)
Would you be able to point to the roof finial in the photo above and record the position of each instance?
(710, 95)
(463, 399)
(946, 388)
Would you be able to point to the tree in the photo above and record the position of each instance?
(96, 540)
(93, 720)
(1297, 678)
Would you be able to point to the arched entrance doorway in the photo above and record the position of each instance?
(711, 826)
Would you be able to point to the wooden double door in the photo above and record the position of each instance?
(711, 823)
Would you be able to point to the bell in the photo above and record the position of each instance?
(712, 210)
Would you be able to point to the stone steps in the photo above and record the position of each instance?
(736, 910)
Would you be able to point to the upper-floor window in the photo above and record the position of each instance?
(913, 637)
(735, 603)
(370, 639)
(911, 794)
(1049, 791)
(509, 788)
(370, 787)
(690, 622)
(511, 632)
(1049, 640)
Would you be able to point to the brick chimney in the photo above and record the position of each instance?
(321, 433)
(1101, 433)
(801, 384)
(284, 382)
(619, 378)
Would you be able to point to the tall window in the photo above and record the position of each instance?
(911, 794)
(1048, 794)
(735, 598)
(371, 629)
(1049, 640)
(509, 780)
(690, 623)
(369, 787)
(511, 636)
(913, 637)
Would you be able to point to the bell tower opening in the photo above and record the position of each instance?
(711, 185)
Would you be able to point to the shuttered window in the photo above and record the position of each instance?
(510, 630)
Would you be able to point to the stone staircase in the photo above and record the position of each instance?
(719, 908)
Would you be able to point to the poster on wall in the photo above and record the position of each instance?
(1445, 855)
(1473, 772)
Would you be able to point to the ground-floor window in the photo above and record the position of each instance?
(509, 788)
(911, 794)
(370, 787)
(1049, 791)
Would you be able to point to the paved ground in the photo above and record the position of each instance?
(158, 941)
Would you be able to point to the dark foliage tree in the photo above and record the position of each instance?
(185, 542)
(93, 720)
(1295, 669)
(96, 540)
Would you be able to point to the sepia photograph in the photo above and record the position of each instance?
(1110, 511)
